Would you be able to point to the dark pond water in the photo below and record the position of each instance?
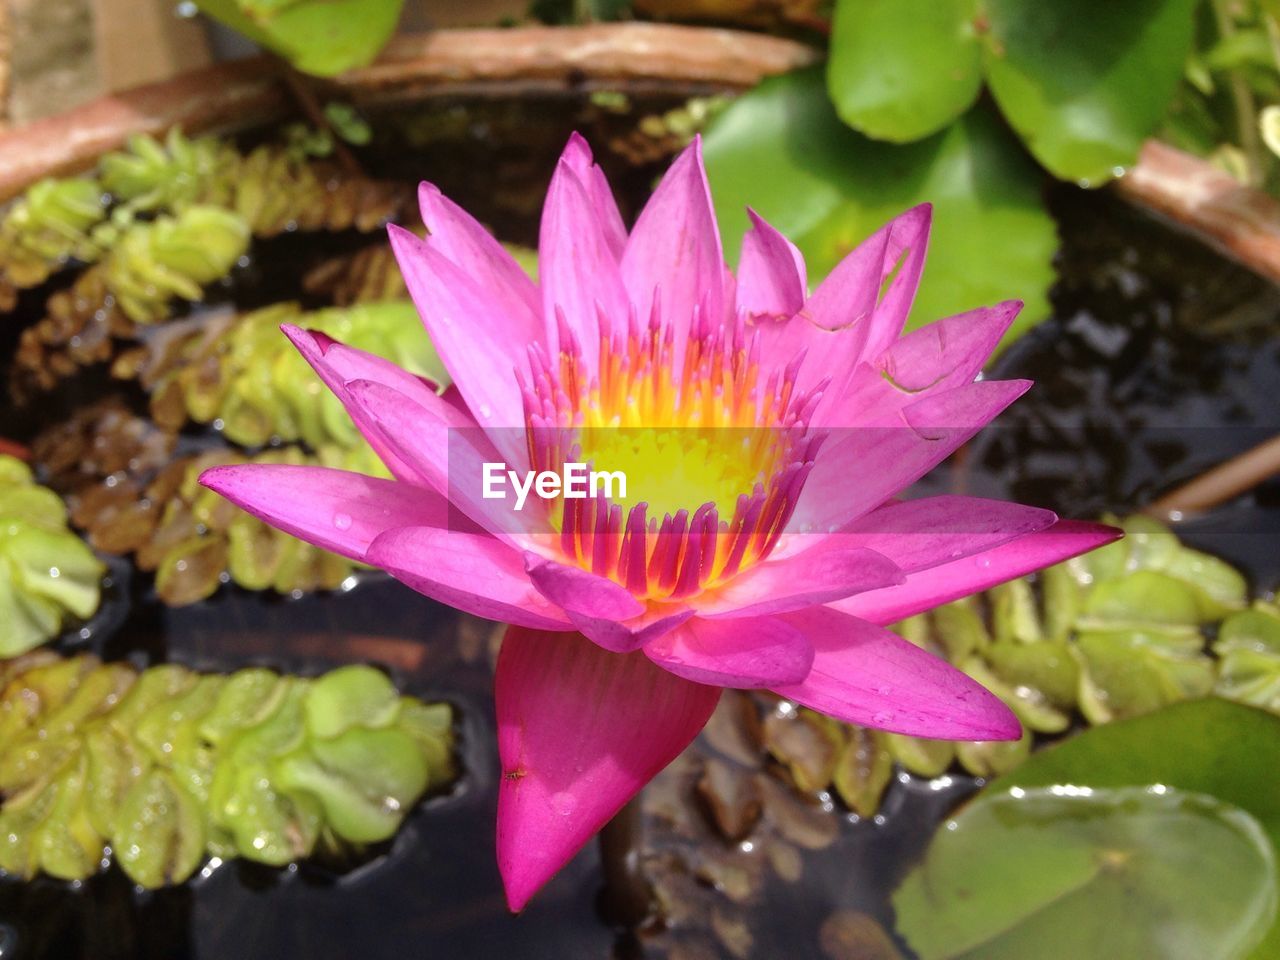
(1155, 365)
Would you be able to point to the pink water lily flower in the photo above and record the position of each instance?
(627, 615)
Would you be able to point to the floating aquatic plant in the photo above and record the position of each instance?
(131, 498)
(1116, 633)
(47, 573)
(165, 767)
(242, 374)
(158, 224)
(774, 568)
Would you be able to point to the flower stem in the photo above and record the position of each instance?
(627, 897)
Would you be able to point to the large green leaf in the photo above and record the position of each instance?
(1063, 873)
(1084, 83)
(903, 69)
(782, 150)
(323, 37)
(1210, 746)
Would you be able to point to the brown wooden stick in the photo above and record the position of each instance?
(233, 96)
(1222, 483)
(1241, 222)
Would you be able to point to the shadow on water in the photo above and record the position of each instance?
(1156, 364)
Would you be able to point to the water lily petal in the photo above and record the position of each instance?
(853, 315)
(918, 534)
(336, 363)
(746, 653)
(577, 154)
(447, 454)
(829, 570)
(632, 635)
(883, 461)
(771, 280)
(577, 268)
(471, 571)
(674, 253)
(941, 356)
(461, 239)
(959, 578)
(580, 731)
(478, 337)
(336, 510)
(864, 674)
(581, 591)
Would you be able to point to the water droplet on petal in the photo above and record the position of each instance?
(486, 411)
(881, 717)
(342, 521)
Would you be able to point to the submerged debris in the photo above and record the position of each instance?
(47, 573)
(166, 767)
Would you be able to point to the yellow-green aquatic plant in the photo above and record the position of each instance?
(47, 573)
(167, 766)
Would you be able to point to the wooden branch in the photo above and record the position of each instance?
(1224, 482)
(412, 68)
(1241, 222)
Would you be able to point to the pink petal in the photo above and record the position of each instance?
(747, 653)
(336, 510)
(580, 731)
(581, 591)
(577, 268)
(335, 364)
(828, 570)
(848, 318)
(577, 154)
(959, 578)
(946, 354)
(446, 453)
(462, 240)
(479, 339)
(864, 674)
(471, 571)
(625, 637)
(918, 534)
(674, 253)
(771, 280)
(857, 469)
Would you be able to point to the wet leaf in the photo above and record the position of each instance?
(782, 150)
(902, 69)
(1248, 647)
(354, 696)
(1085, 83)
(159, 831)
(807, 743)
(1107, 873)
(863, 771)
(1126, 673)
(364, 779)
(323, 37)
(1210, 746)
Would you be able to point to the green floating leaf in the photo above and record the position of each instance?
(900, 70)
(782, 150)
(47, 573)
(354, 696)
(323, 37)
(159, 831)
(1085, 83)
(1248, 646)
(1063, 873)
(1213, 747)
(1125, 673)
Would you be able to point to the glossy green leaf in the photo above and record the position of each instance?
(323, 37)
(782, 150)
(1126, 673)
(1061, 873)
(1248, 647)
(353, 696)
(1210, 746)
(1085, 83)
(900, 70)
(159, 833)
